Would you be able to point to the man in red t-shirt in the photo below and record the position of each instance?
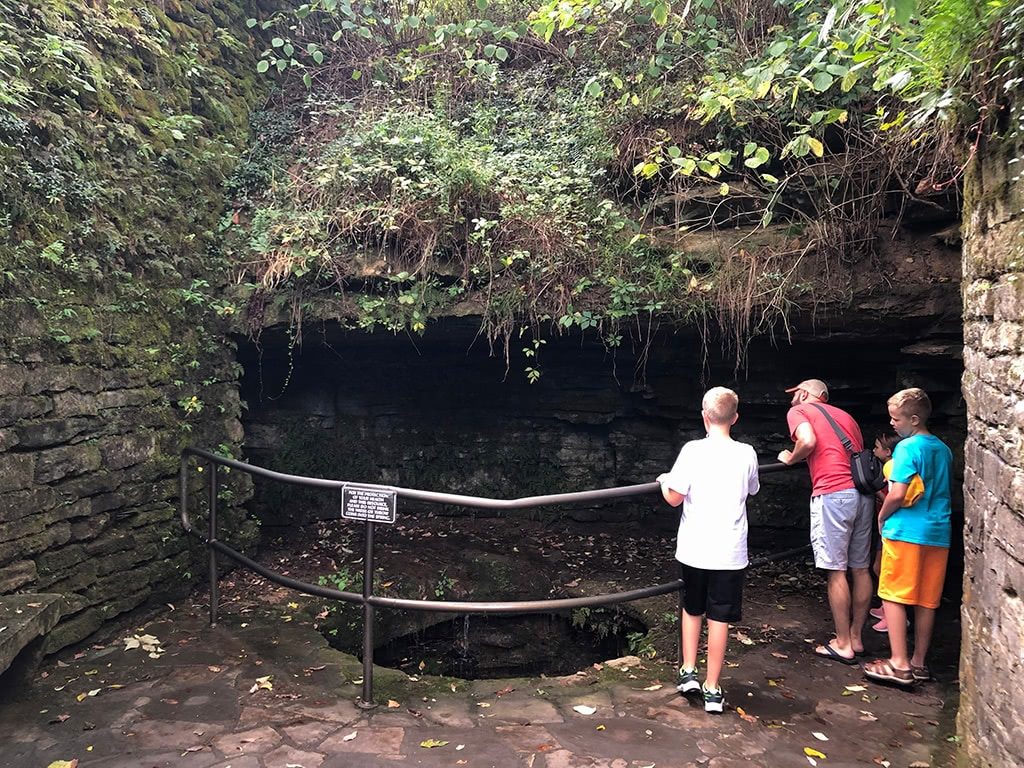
(841, 517)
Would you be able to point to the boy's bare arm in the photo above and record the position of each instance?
(893, 501)
(672, 497)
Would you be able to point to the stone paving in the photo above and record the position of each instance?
(261, 691)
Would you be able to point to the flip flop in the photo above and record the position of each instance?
(883, 671)
(831, 654)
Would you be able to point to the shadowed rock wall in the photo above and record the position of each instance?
(440, 413)
(991, 662)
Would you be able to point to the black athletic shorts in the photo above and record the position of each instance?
(717, 594)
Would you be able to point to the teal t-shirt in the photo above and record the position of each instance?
(927, 520)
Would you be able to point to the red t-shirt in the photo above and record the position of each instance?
(829, 462)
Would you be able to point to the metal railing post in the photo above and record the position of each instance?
(212, 537)
(367, 702)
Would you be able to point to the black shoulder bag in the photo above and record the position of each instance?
(864, 465)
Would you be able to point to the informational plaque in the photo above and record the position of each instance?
(361, 502)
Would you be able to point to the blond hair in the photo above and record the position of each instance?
(720, 405)
(912, 402)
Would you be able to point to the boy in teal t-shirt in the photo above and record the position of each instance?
(915, 538)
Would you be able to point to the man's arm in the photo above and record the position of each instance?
(805, 442)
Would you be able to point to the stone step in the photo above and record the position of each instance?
(23, 619)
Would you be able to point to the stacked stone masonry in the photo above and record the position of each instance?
(88, 489)
(992, 659)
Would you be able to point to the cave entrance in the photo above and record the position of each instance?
(491, 647)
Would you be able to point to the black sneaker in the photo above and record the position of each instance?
(688, 682)
(714, 701)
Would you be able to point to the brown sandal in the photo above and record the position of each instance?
(921, 674)
(883, 671)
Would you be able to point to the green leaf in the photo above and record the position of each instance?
(250, 23)
(282, 65)
(822, 81)
(413, 22)
(767, 178)
(674, 151)
(307, 81)
(593, 89)
(482, 4)
(848, 81)
(660, 14)
(356, 74)
(277, 42)
(262, 65)
(902, 10)
(489, 50)
(723, 189)
(749, 148)
(501, 54)
(318, 57)
(816, 147)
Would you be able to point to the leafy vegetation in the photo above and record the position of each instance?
(557, 167)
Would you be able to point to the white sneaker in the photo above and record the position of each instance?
(688, 682)
(714, 701)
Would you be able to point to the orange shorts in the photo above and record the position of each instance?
(912, 574)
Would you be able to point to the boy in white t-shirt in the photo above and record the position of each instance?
(712, 479)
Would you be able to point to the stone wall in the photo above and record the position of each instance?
(113, 345)
(441, 413)
(89, 444)
(992, 659)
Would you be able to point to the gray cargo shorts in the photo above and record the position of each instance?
(841, 529)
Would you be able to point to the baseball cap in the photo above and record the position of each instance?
(815, 387)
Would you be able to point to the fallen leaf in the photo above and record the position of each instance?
(196, 748)
(778, 655)
(262, 683)
(293, 606)
(656, 687)
(819, 736)
(743, 638)
(745, 716)
(64, 764)
(432, 743)
(855, 688)
(920, 764)
(599, 728)
(584, 709)
(483, 704)
(350, 736)
(504, 691)
(214, 669)
(814, 753)
(392, 704)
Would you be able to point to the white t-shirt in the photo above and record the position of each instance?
(715, 475)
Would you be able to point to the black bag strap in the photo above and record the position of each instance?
(843, 437)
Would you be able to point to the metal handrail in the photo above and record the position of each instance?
(367, 599)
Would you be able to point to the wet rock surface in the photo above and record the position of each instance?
(264, 689)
